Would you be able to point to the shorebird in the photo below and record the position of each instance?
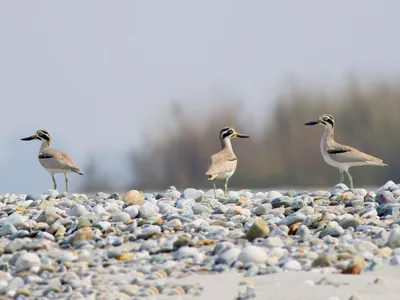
(54, 161)
(223, 164)
(341, 156)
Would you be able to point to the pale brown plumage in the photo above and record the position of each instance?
(341, 156)
(346, 154)
(54, 161)
(223, 164)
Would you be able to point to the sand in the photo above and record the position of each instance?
(295, 285)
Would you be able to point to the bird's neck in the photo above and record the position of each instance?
(45, 144)
(328, 135)
(226, 144)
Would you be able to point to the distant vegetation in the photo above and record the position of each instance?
(283, 152)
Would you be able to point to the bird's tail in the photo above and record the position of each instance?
(377, 162)
(78, 171)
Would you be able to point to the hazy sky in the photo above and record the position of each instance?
(98, 74)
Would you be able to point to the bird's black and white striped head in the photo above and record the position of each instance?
(228, 133)
(324, 120)
(327, 120)
(41, 135)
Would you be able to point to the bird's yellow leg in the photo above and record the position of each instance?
(66, 182)
(215, 191)
(226, 187)
(54, 182)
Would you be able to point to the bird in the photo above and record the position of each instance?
(341, 156)
(54, 161)
(223, 164)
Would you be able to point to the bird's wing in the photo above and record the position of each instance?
(55, 159)
(347, 154)
(222, 162)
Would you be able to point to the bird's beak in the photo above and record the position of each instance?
(313, 123)
(239, 135)
(30, 138)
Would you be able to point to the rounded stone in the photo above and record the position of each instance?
(274, 194)
(394, 238)
(150, 231)
(27, 262)
(148, 210)
(83, 234)
(263, 209)
(191, 193)
(296, 217)
(122, 217)
(292, 265)
(259, 229)
(77, 210)
(229, 256)
(351, 222)
(252, 254)
(132, 211)
(7, 229)
(322, 261)
(134, 197)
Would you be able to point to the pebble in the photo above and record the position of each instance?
(132, 211)
(296, 217)
(229, 256)
(253, 254)
(150, 231)
(14, 219)
(122, 217)
(7, 229)
(259, 229)
(192, 193)
(27, 262)
(66, 246)
(148, 210)
(134, 197)
(15, 284)
(77, 210)
(394, 238)
(83, 234)
(292, 265)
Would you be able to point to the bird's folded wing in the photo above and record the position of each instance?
(222, 163)
(347, 154)
(67, 161)
(54, 159)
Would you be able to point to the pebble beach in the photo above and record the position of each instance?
(337, 244)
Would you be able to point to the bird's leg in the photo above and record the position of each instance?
(66, 182)
(226, 187)
(54, 182)
(341, 175)
(350, 178)
(215, 191)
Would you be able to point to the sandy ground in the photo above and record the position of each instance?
(293, 285)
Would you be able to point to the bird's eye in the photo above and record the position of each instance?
(325, 119)
(230, 131)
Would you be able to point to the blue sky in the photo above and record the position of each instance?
(100, 74)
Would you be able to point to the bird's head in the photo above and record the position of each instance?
(41, 135)
(324, 120)
(230, 133)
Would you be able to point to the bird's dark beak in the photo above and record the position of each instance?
(242, 136)
(313, 123)
(30, 138)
